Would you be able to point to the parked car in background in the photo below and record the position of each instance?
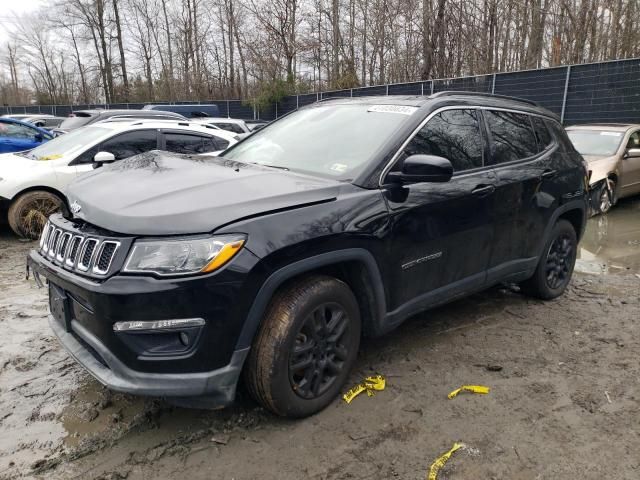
(45, 121)
(18, 116)
(174, 276)
(612, 152)
(188, 111)
(81, 118)
(32, 184)
(17, 136)
(230, 124)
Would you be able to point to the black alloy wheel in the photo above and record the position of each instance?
(559, 261)
(318, 355)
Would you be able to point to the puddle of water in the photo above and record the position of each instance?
(611, 242)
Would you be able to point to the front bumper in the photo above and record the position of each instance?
(219, 384)
(208, 370)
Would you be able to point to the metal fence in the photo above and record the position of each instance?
(584, 93)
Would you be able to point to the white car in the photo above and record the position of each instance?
(33, 183)
(230, 124)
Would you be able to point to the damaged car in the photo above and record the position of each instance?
(612, 152)
(179, 275)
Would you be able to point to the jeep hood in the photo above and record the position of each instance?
(160, 193)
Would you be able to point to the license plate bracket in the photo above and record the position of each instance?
(60, 306)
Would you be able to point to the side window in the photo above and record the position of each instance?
(512, 137)
(220, 144)
(123, 146)
(19, 131)
(542, 133)
(452, 134)
(634, 140)
(189, 144)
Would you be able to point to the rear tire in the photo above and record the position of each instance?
(305, 348)
(29, 212)
(555, 266)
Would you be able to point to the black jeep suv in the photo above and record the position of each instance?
(177, 274)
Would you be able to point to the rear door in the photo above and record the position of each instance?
(442, 232)
(521, 150)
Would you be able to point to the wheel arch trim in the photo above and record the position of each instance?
(277, 278)
(575, 205)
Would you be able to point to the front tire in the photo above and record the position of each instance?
(607, 196)
(555, 266)
(305, 348)
(29, 212)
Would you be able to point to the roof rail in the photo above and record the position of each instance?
(448, 93)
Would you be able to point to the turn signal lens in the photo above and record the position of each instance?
(226, 254)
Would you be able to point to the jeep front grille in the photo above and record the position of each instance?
(87, 254)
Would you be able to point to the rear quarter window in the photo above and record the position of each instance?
(512, 136)
(543, 136)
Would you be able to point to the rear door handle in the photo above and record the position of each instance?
(483, 190)
(548, 174)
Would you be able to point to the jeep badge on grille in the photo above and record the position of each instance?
(75, 207)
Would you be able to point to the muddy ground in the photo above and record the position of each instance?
(564, 400)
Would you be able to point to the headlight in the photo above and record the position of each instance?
(183, 256)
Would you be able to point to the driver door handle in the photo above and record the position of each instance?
(483, 190)
(548, 174)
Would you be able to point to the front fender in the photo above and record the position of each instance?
(277, 278)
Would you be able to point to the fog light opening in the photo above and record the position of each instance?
(184, 338)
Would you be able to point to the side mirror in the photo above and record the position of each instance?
(423, 168)
(632, 153)
(103, 157)
(39, 137)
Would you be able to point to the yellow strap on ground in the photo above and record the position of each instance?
(469, 388)
(441, 460)
(369, 385)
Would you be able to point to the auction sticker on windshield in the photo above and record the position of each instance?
(402, 109)
(611, 134)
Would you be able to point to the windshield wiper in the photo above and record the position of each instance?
(270, 166)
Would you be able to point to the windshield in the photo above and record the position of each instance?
(67, 144)
(78, 120)
(333, 141)
(595, 142)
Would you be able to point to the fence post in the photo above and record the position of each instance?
(432, 86)
(276, 109)
(297, 102)
(493, 84)
(422, 88)
(351, 92)
(564, 97)
(228, 111)
(387, 89)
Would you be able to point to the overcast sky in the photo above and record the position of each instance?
(12, 7)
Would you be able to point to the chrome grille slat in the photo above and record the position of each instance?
(74, 246)
(53, 242)
(105, 255)
(45, 235)
(64, 244)
(87, 254)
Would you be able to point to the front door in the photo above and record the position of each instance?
(441, 233)
(630, 167)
